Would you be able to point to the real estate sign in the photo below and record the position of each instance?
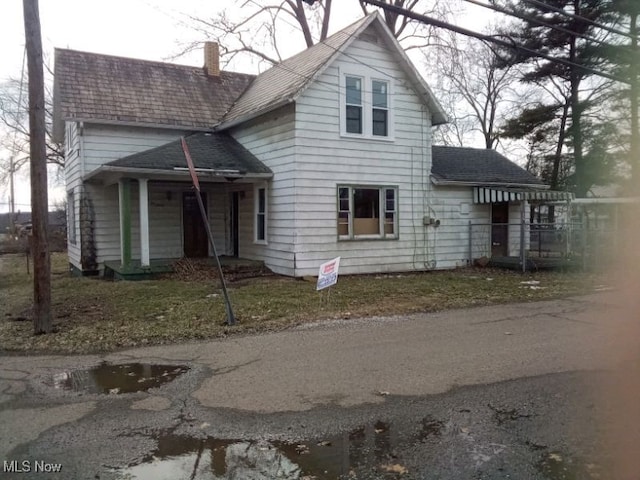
(328, 274)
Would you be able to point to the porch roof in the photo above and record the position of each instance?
(214, 154)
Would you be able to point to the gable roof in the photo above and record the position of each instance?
(478, 166)
(217, 154)
(285, 82)
(110, 89)
(91, 86)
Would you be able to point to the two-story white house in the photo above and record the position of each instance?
(327, 154)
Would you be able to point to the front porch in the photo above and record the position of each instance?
(151, 216)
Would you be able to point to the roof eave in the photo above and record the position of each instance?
(250, 116)
(155, 172)
(442, 182)
(163, 126)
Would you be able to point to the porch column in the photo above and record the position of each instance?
(124, 192)
(144, 221)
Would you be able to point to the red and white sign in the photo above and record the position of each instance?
(328, 274)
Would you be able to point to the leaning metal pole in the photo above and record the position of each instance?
(196, 184)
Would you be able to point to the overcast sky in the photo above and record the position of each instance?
(147, 29)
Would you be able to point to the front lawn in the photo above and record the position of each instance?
(93, 315)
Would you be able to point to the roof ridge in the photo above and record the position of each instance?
(142, 60)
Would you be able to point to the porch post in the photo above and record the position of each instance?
(124, 192)
(144, 221)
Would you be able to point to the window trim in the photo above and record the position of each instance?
(385, 109)
(257, 214)
(382, 211)
(360, 105)
(368, 76)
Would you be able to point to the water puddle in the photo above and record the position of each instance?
(335, 457)
(115, 379)
(556, 466)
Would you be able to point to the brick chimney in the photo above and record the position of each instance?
(212, 59)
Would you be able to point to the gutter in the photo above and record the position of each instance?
(150, 172)
(164, 126)
(488, 184)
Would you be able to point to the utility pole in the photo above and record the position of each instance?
(38, 168)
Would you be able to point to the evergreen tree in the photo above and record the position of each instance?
(565, 30)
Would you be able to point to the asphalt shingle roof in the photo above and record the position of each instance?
(217, 151)
(116, 89)
(283, 81)
(479, 167)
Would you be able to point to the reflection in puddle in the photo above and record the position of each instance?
(115, 379)
(211, 459)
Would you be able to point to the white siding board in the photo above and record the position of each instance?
(105, 143)
(327, 160)
(271, 138)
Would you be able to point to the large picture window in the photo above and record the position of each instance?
(367, 212)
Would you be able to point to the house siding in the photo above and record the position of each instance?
(325, 159)
(73, 183)
(271, 138)
(105, 143)
(451, 237)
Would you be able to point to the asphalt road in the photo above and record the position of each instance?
(536, 390)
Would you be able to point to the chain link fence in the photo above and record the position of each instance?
(533, 246)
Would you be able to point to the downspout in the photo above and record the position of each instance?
(426, 192)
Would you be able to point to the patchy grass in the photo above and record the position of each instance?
(91, 314)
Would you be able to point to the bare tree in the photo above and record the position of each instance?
(412, 33)
(14, 126)
(262, 29)
(257, 27)
(478, 91)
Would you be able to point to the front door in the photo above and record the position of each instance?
(500, 229)
(194, 232)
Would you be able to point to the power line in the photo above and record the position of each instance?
(488, 38)
(580, 18)
(535, 20)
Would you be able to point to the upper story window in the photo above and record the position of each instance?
(380, 108)
(366, 110)
(353, 86)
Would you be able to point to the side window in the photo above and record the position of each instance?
(71, 217)
(261, 214)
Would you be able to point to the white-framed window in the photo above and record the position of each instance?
(380, 108)
(260, 208)
(71, 217)
(367, 212)
(353, 104)
(366, 109)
